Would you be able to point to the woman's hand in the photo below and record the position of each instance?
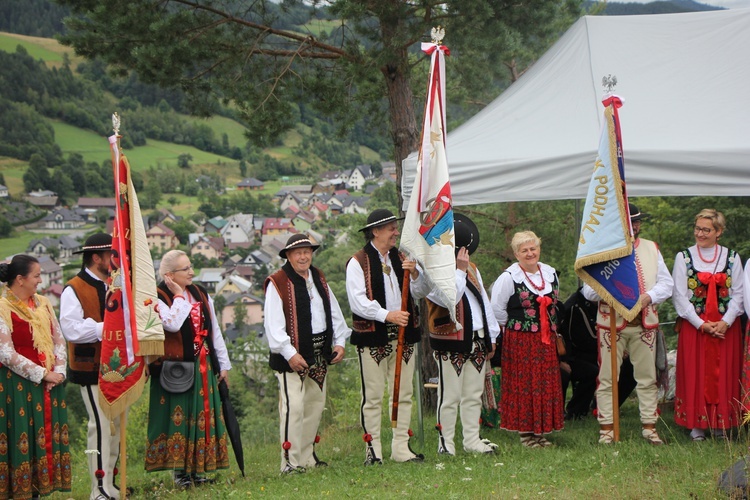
(52, 379)
(173, 287)
(223, 375)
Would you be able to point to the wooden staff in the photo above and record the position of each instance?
(123, 456)
(613, 362)
(400, 351)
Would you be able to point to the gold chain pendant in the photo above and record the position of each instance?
(386, 269)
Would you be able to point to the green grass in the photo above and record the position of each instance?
(94, 147)
(576, 467)
(221, 125)
(19, 243)
(47, 49)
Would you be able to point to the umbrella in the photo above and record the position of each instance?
(233, 427)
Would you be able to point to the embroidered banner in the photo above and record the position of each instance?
(132, 326)
(428, 229)
(605, 259)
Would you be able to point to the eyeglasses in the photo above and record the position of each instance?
(702, 230)
(183, 269)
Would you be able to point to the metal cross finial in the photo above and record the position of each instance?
(609, 83)
(437, 34)
(116, 123)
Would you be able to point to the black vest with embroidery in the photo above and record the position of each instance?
(523, 309)
(370, 333)
(296, 300)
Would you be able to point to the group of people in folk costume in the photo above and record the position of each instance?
(707, 285)
(306, 333)
(186, 432)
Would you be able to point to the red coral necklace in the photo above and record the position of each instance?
(539, 288)
(716, 254)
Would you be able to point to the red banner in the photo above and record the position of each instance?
(121, 373)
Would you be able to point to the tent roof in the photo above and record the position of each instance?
(685, 131)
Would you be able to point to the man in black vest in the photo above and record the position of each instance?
(374, 277)
(462, 355)
(302, 320)
(81, 321)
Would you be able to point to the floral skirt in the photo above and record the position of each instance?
(34, 445)
(181, 435)
(531, 392)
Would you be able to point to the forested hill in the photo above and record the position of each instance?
(660, 7)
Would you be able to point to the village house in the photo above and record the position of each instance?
(209, 277)
(4, 191)
(253, 306)
(357, 176)
(63, 218)
(304, 220)
(211, 247)
(233, 284)
(44, 199)
(320, 210)
(161, 237)
(53, 293)
(215, 224)
(250, 184)
(290, 200)
(238, 229)
(51, 272)
(64, 246)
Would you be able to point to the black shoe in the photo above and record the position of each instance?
(199, 480)
(373, 461)
(291, 469)
(182, 480)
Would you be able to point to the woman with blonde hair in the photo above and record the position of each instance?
(708, 298)
(34, 448)
(523, 300)
(186, 430)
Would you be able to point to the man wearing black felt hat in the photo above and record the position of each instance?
(306, 332)
(374, 277)
(462, 351)
(82, 320)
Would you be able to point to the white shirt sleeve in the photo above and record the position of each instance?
(680, 297)
(341, 331)
(355, 291)
(737, 292)
(74, 327)
(173, 317)
(274, 323)
(220, 345)
(502, 291)
(492, 326)
(664, 286)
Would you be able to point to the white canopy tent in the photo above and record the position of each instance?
(684, 80)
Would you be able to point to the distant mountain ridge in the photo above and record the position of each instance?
(658, 7)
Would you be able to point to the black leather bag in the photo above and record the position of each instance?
(177, 376)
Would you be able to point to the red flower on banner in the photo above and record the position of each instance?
(287, 445)
(148, 302)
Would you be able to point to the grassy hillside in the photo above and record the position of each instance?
(46, 49)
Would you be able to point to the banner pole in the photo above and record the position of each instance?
(613, 362)
(400, 351)
(123, 455)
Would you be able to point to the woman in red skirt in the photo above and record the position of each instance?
(708, 298)
(523, 300)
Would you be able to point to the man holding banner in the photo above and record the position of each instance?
(626, 274)
(638, 337)
(374, 282)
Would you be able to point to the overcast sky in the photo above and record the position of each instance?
(729, 4)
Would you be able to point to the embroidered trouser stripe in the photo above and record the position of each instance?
(106, 444)
(374, 378)
(301, 403)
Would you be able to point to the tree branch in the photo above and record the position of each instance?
(335, 52)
